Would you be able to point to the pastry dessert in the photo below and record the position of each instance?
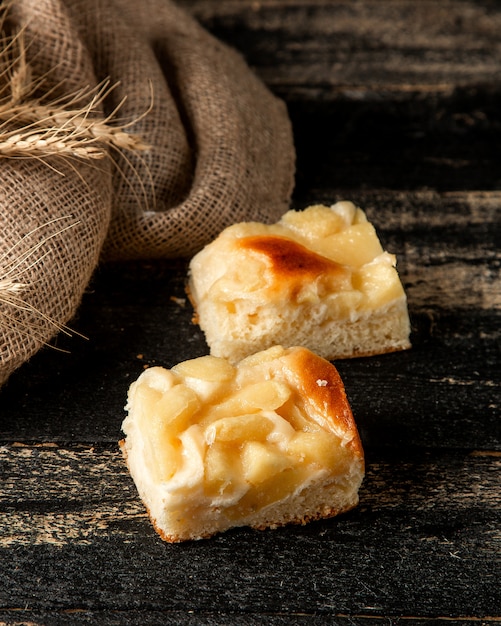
(318, 278)
(268, 442)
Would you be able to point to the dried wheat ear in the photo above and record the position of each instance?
(72, 125)
(51, 131)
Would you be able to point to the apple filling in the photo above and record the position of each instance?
(241, 437)
(332, 252)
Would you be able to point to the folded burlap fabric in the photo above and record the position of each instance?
(127, 131)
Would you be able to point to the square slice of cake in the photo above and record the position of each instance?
(268, 442)
(318, 278)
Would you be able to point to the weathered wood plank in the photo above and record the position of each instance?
(426, 523)
(443, 144)
(395, 94)
(28, 617)
(352, 49)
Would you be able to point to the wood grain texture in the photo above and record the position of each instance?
(395, 105)
(332, 48)
(77, 508)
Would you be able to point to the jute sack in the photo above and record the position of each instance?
(157, 136)
(222, 148)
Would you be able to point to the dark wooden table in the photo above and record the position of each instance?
(396, 105)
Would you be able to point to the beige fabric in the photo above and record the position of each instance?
(221, 152)
(222, 147)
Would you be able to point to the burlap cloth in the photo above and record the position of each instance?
(221, 151)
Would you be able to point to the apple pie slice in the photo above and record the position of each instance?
(268, 442)
(318, 278)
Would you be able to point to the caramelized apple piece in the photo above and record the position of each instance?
(241, 428)
(260, 462)
(210, 368)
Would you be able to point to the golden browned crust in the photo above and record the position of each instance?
(321, 386)
(289, 258)
(291, 263)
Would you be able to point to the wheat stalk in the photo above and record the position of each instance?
(35, 144)
(53, 129)
(12, 300)
(21, 258)
(32, 127)
(49, 131)
(44, 128)
(15, 72)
